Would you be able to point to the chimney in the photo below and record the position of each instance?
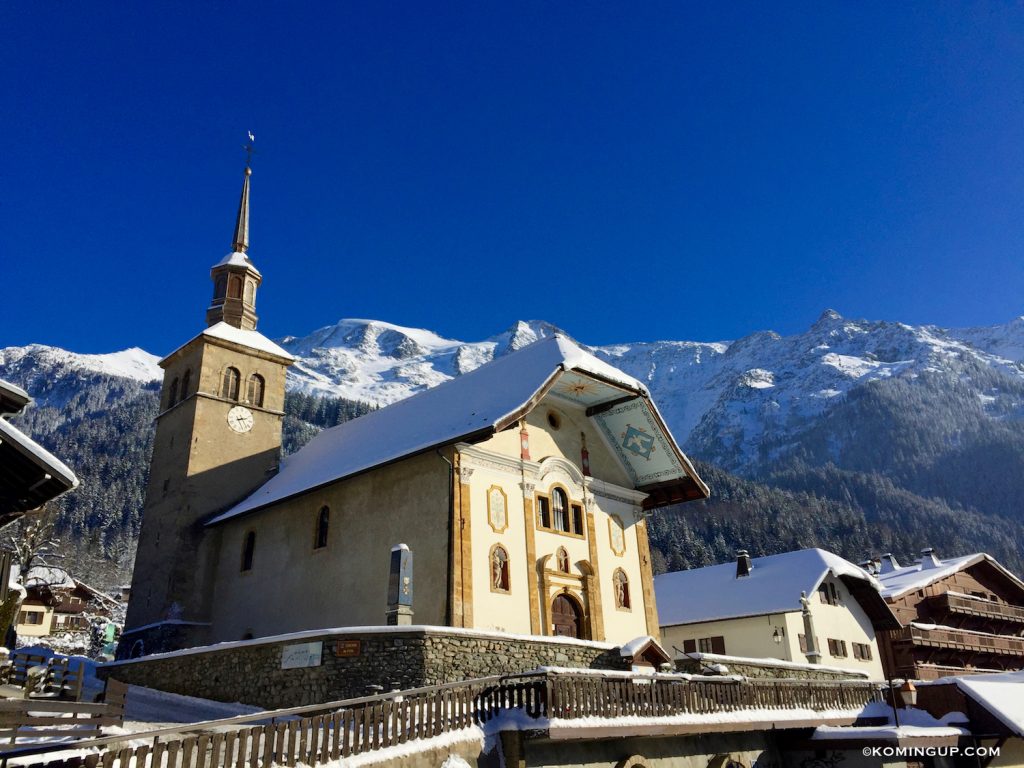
(743, 564)
(868, 565)
(928, 559)
(888, 564)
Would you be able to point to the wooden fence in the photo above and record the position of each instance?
(36, 719)
(314, 735)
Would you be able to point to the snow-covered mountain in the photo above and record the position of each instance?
(738, 403)
(854, 435)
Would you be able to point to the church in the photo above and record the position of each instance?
(512, 498)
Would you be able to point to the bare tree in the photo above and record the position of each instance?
(34, 543)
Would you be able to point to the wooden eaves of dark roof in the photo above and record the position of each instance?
(874, 605)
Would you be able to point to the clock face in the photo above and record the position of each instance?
(240, 419)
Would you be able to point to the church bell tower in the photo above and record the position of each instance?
(218, 438)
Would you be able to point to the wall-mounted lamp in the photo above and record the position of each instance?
(908, 693)
(777, 636)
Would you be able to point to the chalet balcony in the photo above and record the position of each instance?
(946, 637)
(977, 606)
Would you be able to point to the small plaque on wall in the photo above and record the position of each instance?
(302, 655)
(348, 648)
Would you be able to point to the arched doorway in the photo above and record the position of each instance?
(566, 617)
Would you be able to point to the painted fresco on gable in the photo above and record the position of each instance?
(639, 443)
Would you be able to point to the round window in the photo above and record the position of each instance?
(553, 420)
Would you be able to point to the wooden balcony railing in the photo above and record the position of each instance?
(942, 637)
(314, 735)
(976, 606)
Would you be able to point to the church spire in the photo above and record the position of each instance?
(235, 277)
(241, 241)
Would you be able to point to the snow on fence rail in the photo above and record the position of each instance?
(355, 726)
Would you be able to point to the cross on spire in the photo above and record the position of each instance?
(249, 150)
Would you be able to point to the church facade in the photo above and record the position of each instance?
(520, 489)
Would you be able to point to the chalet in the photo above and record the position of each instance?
(55, 603)
(804, 606)
(963, 614)
(520, 490)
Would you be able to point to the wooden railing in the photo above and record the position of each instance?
(977, 606)
(951, 638)
(574, 696)
(314, 735)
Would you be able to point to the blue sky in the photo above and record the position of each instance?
(626, 171)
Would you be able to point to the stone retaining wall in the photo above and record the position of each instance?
(764, 668)
(250, 671)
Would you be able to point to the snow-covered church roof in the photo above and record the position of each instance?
(240, 336)
(493, 397)
(773, 586)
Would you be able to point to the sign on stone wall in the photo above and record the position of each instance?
(347, 648)
(302, 655)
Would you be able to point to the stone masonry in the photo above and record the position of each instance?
(352, 662)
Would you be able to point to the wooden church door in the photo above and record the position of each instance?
(565, 616)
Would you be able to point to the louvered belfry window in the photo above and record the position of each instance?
(230, 384)
(255, 393)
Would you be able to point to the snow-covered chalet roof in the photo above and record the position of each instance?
(46, 576)
(29, 474)
(477, 404)
(13, 399)
(252, 339)
(999, 694)
(930, 569)
(773, 586)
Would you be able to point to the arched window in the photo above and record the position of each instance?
(323, 519)
(234, 287)
(230, 384)
(562, 559)
(186, 381)
(621, 583)
(255, 393)
(499, 569)
(248, 550)
(250, 291)
(172, 393)
(559, 510)
(220, 287)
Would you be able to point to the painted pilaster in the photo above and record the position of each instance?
(466, 543)
(647, 577)
(529, 520)
(593, 583)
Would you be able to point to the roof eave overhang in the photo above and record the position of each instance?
(871, 600)
(663, 494)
